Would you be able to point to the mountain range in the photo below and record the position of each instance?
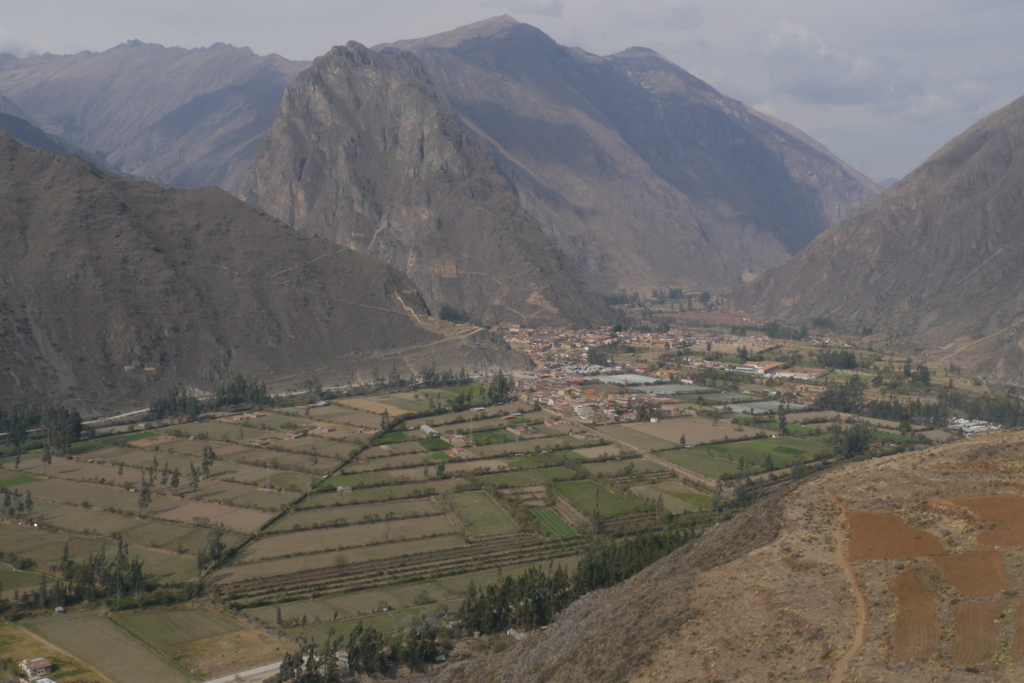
(933, 261)
(365, 153)
(637, 174)
(644, 175)
(182, 118)
(114, 290)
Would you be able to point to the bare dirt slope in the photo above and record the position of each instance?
(114, 290)
(900, 569)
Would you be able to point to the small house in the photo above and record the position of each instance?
(36, 667)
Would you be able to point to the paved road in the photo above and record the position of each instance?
(249, 675)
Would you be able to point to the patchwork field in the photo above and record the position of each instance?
(481, 514)
(203, 640)
(582, 495)
(916, 630)
(105, 647)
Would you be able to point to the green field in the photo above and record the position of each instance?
(616, 467)
(492, 437)
(102, 645)
(481, 513)
(354, 514)
(527, 477)
(434, 444)
(391, 437)
(581, 495)
(716, 460)
(12, 479)
(11, 578)
(167, 629)
(553, 525)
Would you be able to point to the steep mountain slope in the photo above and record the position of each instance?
(905, 569)
(26, 133)
(113, 290)
(936, 257)
(365, 153)
(183, 118)
(643, 174)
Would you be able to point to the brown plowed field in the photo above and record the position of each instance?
(1004, 516)
(976, 637)
(875, 536)
(1017, 648)
(974, 575)
(916, 631)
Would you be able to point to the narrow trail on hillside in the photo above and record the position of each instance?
(862, 606)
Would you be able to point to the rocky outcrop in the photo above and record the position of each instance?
(365, 152)
(644, 175)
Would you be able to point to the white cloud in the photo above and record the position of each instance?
(676, 15)
(805, 67)
(544, 8)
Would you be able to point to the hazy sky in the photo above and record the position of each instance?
(882, 83)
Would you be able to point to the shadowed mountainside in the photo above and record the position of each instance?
(183, 118)
(367, 154)
(644, 175)
(936, 258)
(114, 290)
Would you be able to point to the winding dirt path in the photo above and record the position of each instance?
(862, 606)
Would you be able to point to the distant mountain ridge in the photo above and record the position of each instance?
(642, 174)
(367, 153)
(936, 258)
(183, 118)
(113, 290)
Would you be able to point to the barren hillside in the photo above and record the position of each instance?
(902, 569)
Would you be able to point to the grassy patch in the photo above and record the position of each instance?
(526, 477)
(493, 436)
(105, 647)
(553, 525)
(17, 480)
(583, 493)
(481, 513)
(434, 444)
(391, 437)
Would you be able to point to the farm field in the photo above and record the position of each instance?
(616, 467)
(670, 503)
(481, 513)
(103, 646)
(698, 430)
(877, 536)
(18, 643)
(322, 540)
(526, 477)
(916, 631)
(636, 438)
(581, 494)
(12, 579)
(381, 493)
(210, 642)
(976, 632)
(354, 514)
(299, 563)
(553, 525)
(783, 450)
